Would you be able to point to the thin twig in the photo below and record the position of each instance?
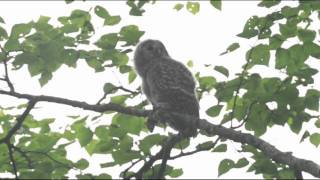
(124, 173)
(13, 162)
(238, 90)
(24, 155)
(182, 154)
(117, 88)
(51, 158)
(249, 111)
(6, 77)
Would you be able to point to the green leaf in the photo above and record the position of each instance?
(193, 7)
(317, 123)
(108, 41)
(249, 30)
(222, 70)
(130, 34)
(82, 164)
(205, 145)
(258, 120)
(312, 99)
(312, 49)
(268, 3)
(260, 55)
(45, 78)
(282, 56)
(231, 48)
(289, 11)
(112, 20)
(136, 10)
(1, 20)
(214, 110)
(126, 143)
(3, 34)
(178, 6)
(306, 35)
(101, 132)
(12, 45)
(176, 173)
(103, 176)
(304, 136)
(132, 76)
(286, 174)
(190, 63)
(101, 12)
(207, 82)
(220, 148)
(275, 41)
(241, 163)
(20, 29)
(108, 164)
(108, 19)
(224, 166)
(182, 144)
(288, 30)
(315, 139)
(109, 88)
(122, 157)
(130, 124)
(119, 99)
(84, 136)
(120, 59)
(216, 3)
(149, 141)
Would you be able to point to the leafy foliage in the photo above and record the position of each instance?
(243, 97)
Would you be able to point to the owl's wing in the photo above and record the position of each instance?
(172, 84)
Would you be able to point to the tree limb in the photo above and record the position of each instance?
(268, 149)
(19, 123)
(211, 129)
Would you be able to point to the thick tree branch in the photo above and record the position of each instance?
(268, 149)
(79, 104)
(211, 129)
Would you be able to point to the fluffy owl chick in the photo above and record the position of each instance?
(168, 85)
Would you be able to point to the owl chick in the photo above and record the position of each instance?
(168, 85)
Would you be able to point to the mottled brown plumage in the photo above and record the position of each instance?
(168, 84)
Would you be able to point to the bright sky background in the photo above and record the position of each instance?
(200, 37)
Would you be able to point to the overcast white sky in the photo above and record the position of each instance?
(200, 37)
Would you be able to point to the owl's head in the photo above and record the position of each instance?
(147, 52)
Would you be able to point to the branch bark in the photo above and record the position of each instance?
(269, 150)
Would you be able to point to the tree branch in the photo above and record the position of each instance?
(211, 129)
(182, 154)
(13, 162)
(268, 149)
(19, 123)
(79, 104)
(166, 147)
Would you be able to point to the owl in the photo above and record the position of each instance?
(168, 85)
